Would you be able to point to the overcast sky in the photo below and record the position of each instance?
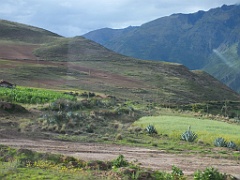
(76, 17)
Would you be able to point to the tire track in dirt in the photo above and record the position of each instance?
(148, 158)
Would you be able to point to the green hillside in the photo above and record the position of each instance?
(188, 39)
(78, 63)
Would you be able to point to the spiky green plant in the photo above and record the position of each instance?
(220, 142)
(151, 129)
(189, 135)
(120, 162)
(231, 145)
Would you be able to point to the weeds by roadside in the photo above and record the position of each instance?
(24, 163)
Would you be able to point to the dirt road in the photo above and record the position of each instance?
(154, 159)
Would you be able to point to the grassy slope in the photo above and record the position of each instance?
(207, 130)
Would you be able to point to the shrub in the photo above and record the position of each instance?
(220, 142)
(119, 137)
(151, 129)
(137, 130)
(209, 174)
(176, 174)
(89, 128)
(189, 135)
(120, 162)
(98, 165)
(162, 175)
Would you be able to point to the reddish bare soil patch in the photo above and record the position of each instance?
(10, 51)
(108, 77)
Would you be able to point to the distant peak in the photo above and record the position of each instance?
(226, 7)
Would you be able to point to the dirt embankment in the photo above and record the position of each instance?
(154, 159)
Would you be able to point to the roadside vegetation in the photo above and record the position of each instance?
(26, 164)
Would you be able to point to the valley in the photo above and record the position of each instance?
(80, 109)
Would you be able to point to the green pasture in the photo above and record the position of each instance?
(206, 129)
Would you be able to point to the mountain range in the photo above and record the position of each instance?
(206, 40)
(31, 56)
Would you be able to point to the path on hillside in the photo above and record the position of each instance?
(154, 159)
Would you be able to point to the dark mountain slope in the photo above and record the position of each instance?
(225, 65)
(107, 34)
(185, 38)
(188, 39)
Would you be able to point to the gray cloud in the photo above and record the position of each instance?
(76, 17)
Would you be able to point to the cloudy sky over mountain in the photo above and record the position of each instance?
(76, 17)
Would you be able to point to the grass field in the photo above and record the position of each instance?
(207, 130)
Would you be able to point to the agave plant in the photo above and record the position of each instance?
(231, 145)
(189, 135)
(151, 129)
(220, 142)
